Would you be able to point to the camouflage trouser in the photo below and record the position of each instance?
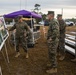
(61, 46)
(52, 51)
(23, 42)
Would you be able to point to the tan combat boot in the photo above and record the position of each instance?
(52, 70)
(49, 65)
(73, 60)
(17, 55)
(62, 58)
(27, 56)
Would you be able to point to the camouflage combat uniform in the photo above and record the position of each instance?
(61, 46)
(21, 28)
(53, 33)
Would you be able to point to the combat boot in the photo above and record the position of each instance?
(73, 60)
(49, 65)
(17, 55)
(52, 70)
(62, 58)
(27, 56)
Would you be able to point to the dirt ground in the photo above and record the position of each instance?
(36, 63)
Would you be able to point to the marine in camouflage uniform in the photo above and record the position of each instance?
(52, 40)
(21, 29)
(61, 46)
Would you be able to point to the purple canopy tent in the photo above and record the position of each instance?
(25, 13)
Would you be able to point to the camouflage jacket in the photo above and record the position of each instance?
(53, 30)
(62, 28)
(21, 28)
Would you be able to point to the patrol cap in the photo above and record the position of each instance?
(50, 12)
(59, 15)
(19, 17)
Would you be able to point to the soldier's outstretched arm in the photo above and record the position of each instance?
(12, 28)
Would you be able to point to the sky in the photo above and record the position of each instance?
(69, 6)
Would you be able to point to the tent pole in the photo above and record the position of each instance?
(75, 44)
(31, 23)
(32, 30)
